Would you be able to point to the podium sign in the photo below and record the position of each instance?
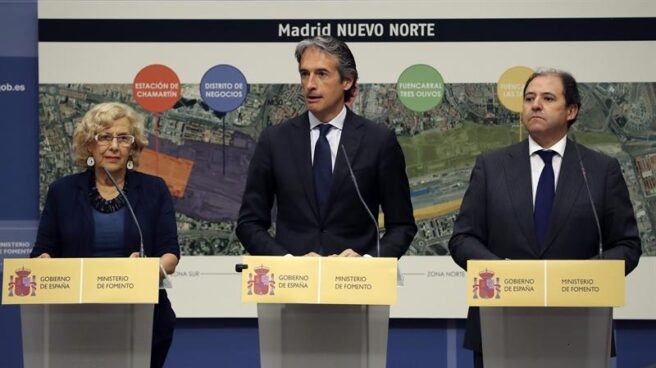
(280, 280)
(319, 280)
(546, 283)
(80, 280)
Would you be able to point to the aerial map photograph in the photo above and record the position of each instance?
(203, 155)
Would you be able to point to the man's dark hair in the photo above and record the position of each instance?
(570, 87)
(338, 49)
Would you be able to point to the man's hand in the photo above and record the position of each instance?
(312, 254)
(348, 253)
(44, 255)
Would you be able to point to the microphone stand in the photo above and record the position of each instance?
(134, 217)
(364, 204)
(590, 199)
(399, 276)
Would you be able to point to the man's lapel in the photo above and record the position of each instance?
(570, 183)
(351, 136)
(519, 187)
(302, 156)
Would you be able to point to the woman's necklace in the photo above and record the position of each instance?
(103, 205)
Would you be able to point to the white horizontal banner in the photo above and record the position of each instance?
(434, 287)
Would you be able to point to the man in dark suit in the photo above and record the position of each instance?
(529, 201)
(301, 166)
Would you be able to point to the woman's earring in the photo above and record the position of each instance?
(90, 161)
(130, 164)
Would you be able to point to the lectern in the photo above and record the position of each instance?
(86, 335)
(541, 337)
(543, 314)
(95, 312)
(321, 312)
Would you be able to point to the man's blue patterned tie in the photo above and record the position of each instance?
(322, 169)
(544, 198)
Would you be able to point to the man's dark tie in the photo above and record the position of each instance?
(322, 168)
(544, 197)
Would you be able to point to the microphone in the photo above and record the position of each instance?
(592, 204)
(364, 204)
(134, 217)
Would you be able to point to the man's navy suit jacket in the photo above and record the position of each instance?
(281, 171)
(496, 216)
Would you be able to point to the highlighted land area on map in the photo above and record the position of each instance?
(174, 171)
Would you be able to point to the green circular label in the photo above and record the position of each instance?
(420, 88)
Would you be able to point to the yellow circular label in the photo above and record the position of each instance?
(510, 87)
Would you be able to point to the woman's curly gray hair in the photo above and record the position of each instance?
(100, 118)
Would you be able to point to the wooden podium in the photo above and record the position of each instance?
(89, 312)
(321, 311)
(546, 313)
